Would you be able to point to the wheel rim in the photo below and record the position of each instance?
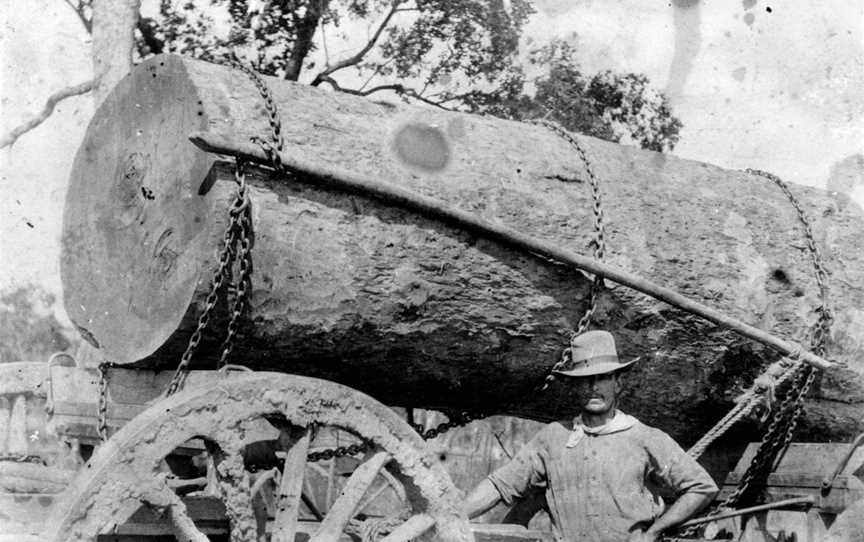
(124, 471)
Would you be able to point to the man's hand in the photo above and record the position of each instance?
(644, 536)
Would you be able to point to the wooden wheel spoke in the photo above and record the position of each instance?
(157, 493)
(236, 494)
(374, 495)
(262, 495)
(183, 526)
(296, 445)
(411, 529)
(349, 499)
(310, 504)
(331, 483)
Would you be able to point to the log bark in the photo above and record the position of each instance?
(415, 311)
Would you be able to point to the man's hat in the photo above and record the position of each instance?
(591, 353)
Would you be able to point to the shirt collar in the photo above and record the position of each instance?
(619, 422)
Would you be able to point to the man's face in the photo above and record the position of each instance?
(598, 394)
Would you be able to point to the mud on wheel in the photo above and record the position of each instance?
(124, 473)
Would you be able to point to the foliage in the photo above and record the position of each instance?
(420, 39)
(454, 54)
(28, 329)
(616, 107)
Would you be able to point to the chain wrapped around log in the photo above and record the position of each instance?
(416, 308)
(347, 181)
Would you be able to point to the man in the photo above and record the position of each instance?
(601, 471)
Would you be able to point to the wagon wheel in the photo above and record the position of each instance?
(124, 472)
(324, 480)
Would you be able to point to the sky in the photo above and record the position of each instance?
(774, 86)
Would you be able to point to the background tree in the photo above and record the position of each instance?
(110, 24)
(617, 107)
(453, 54)
(28, 329)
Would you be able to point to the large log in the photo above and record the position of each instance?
(415, 311)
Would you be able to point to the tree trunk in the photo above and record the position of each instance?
(113, 40)
(414, 311)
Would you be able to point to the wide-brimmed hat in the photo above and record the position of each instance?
(592, 353)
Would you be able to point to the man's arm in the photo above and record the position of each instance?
(685, 475)
(682, 509)
(482, 499)
(510, 481)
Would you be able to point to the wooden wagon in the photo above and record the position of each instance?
(406, 254)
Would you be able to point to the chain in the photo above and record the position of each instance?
(599, 242)
(274, 147)
(354, 449)
(237, 231)
(22, 458)
(241, 216)
(461, 420)
(341, 451)
(815, 254)
(745, 404)
(102, 407)
(770, 442)
(782, 426)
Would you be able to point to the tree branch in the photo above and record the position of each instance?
(305, 32)
(355, 59)
(420, 98)
(378, 69)
(50, 103)
(397, 88)
(79, 11)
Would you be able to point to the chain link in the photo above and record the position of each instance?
(781, 430)
(745, 405)
(782, 427)
(237, 232)
(599, 242)
(23, 458)
(354, 449)
(241, 216)
(102, 406)
(341, 451)
(274, 147)
(815, 254)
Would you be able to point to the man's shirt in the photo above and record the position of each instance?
(601, 483)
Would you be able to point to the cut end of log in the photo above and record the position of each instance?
(135, 224)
